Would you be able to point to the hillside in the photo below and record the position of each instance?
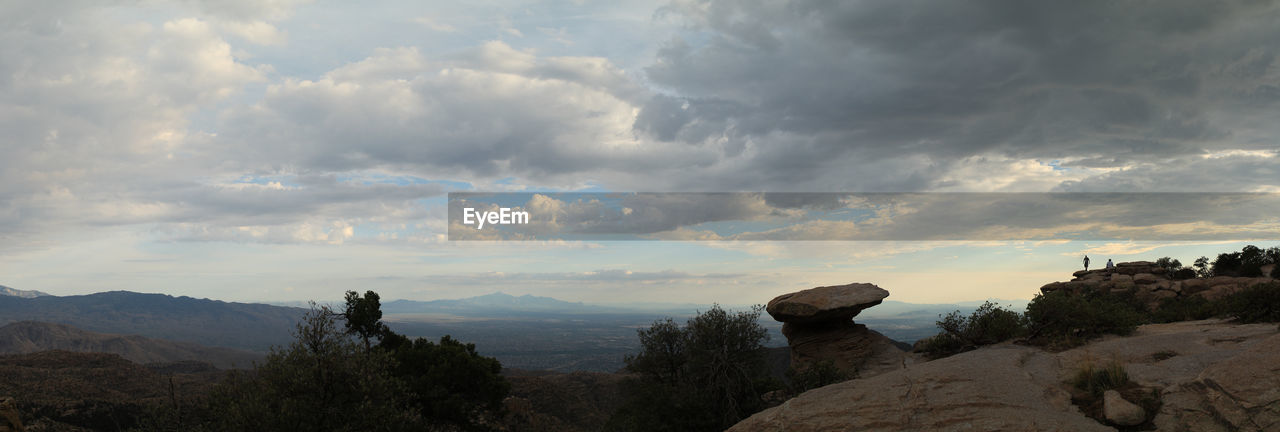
(61, 390)
(207, 322)
(29, 336)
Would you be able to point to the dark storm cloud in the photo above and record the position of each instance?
(1037, 79)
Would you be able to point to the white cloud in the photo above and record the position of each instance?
(430, 23)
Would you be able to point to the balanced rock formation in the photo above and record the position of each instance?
(1152, 283)
(818, 324)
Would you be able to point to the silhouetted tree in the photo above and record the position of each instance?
(363, 316)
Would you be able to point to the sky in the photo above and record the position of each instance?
(279, 150)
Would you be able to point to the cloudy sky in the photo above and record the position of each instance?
(258, 150)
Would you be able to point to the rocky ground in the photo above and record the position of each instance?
(1208, 375)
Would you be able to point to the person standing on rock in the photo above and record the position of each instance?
(1110, 266)
(1086, 263)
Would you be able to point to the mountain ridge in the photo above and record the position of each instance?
(14, 292)
(25, 337)
(248, 326)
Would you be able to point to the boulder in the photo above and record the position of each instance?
(1219, 291)
(1145, 278)
(1192, 286)
(1121, 412)
(1121, 279)
(814, 305)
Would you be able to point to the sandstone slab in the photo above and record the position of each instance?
(1005, 387)
(840, 302)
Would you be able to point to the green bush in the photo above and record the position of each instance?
(1183, 274)
(1096, 380)
(1060, 318)
(1259, 303)
(989, 324)
(819, 374)
(1248, 262)
(1185, 308)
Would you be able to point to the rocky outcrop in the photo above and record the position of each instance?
(818, 324)
(1210, 375)
(1001, 388)
(1152, 283)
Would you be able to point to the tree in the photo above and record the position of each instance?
(450, 383)
(1202, 267)
(363, 316)
(707, 375)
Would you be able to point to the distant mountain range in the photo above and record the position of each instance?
(523, 331)
(29, 337)
(6, 291)
(254, 327)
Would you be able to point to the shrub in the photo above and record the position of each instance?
(1060, 318)
(989, 324)
(1184, 308)
(819, 374)
(1248, 262)
(1169, 265)
(1184, 274)
(703, 376)
(1259, 303)
(1096, 380)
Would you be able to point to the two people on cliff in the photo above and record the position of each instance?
(1110, 265)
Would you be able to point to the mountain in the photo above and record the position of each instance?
(29, 336)
(254, 327)
(11, 292)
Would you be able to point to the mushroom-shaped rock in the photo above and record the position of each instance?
(819, 327)
(829, 303)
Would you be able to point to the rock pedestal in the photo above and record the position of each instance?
(818, 324)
